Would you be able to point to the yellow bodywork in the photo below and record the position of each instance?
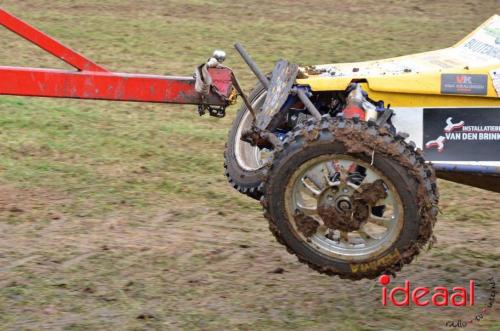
(415, 80)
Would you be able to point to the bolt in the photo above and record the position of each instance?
(344, 205)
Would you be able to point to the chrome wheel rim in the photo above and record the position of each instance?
(248, 157)
(338, 177)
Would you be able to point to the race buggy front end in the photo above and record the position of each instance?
(343, 157)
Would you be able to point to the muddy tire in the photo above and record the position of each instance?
(405, 178)
(243, 168)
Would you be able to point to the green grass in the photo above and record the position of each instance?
(117, 216)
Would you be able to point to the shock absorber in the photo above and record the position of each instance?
(358, 105)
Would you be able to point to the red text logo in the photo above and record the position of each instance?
(423, 296)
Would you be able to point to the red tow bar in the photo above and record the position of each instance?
(92, 81)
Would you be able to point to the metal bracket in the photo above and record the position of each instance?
(215, 111)
(282, 80)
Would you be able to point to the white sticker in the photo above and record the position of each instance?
(495, 77)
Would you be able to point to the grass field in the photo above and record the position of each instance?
(117, 216)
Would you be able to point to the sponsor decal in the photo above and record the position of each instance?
(485, 42)
(494, 32)
(467, 134)
(464, 84)
(479, 47)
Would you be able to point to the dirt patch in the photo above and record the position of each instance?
(366, 197)
(336, 219)
(352, 219)
(306, 225)
(30, 203)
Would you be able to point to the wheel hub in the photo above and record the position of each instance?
(335, 207)
(317, 198)
(344, 204)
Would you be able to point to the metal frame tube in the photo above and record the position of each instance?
(92, 81)
(253, 66)
(307, 103)
(102, 86)
(47, 43)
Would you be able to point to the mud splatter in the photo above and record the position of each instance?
(371, 141)
(352, 220)
(379, 141)
(335, 219)
(306, 225)
(366, 197)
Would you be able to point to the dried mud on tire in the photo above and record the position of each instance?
(370, 141)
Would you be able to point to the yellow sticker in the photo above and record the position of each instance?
(374, 265)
